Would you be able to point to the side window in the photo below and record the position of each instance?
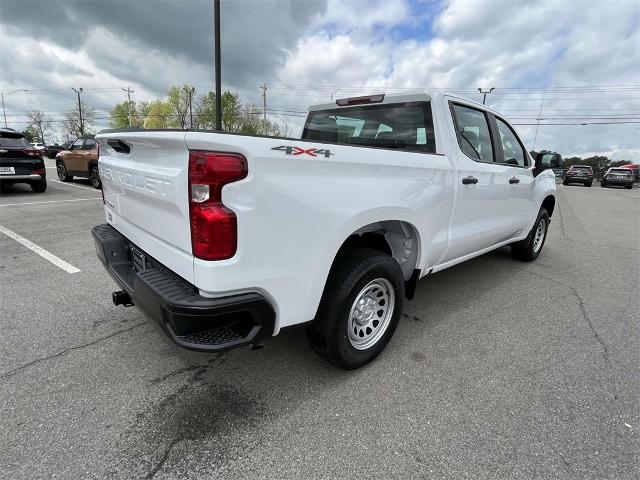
(511, 147)
(472, 129)
(89, 144)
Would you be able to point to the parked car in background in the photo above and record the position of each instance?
(38, 145)
(20, 162)
(81, 160)
(52, 150)
(617, 177)
(635, 169)
(579, 174)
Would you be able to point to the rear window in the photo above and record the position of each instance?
(582, 169)
(407, 126)
(624, 171)
(13, 140)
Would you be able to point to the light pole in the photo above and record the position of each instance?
(78, 92)
(216, 27)
(4, 113)
(334, 92)
(484, 98)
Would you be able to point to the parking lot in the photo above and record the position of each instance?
(499, 369)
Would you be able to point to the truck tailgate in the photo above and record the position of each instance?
(145, 186)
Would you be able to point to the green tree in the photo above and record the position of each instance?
(31, 134)
(127, 114)
(41, 124)
(178, 100)
(159, 115)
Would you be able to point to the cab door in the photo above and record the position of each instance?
(514, 156)
(73, 159)
(483, 213)
(87, 154)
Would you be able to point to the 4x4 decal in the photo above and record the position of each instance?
(314, 152)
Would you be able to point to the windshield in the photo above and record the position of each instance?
(13, 140)
(397, 125)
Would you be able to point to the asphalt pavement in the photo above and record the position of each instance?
(498, 370)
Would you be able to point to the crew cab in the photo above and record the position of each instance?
(225, 239)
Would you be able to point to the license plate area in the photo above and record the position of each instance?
(7, 171)
(138, 259)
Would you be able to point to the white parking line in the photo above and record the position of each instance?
(58, 262)
(51, 201)
(70, 184)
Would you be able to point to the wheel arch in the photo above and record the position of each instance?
(549, 203)
(399, 239)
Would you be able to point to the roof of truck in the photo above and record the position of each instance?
(417, 96)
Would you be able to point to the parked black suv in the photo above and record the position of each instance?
(20, 162)
(579, 174)
(620, 177)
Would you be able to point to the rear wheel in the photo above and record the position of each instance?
(588, 184)
(564, 182)
(603, 184)
(529, 248)
(360, 308)
(39, 186)
(629, 187)
(94, 177)
(63, 175)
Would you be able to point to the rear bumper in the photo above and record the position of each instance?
(189, 319)
(22, 178)
(619, 183)
(584, 180)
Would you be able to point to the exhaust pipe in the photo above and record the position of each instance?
(121, 298)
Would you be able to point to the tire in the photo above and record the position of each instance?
(564, 182)
(588, 184)
(40, 186)
(602, 184)
(528, 249)
(94, 177)
(63, 175)
(629, 187)
(376, 279)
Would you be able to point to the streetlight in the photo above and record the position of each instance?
(78, 92)
(484, 98)
(334, 92)
(4, 113)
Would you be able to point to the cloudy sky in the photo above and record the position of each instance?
(579, 59)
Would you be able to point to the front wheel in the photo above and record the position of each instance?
(360, 308)
(94, 177)
(63, 175)
(603, 184)
(529, 248)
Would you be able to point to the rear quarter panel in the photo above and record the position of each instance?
(295, 211)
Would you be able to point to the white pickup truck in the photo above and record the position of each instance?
(225, 239)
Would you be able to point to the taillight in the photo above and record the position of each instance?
(214, 232)
(32, 152)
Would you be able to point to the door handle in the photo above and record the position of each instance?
(514, 180)
(469, 180)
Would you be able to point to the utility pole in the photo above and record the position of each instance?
(535, 138)
(216, 15)
(190, 92)
(4, 113)
(78, 92)
(264, 108)
(484, 98)
(129, 92)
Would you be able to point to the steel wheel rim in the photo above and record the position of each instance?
(371, 313)
(62, 172)
(539, 235)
